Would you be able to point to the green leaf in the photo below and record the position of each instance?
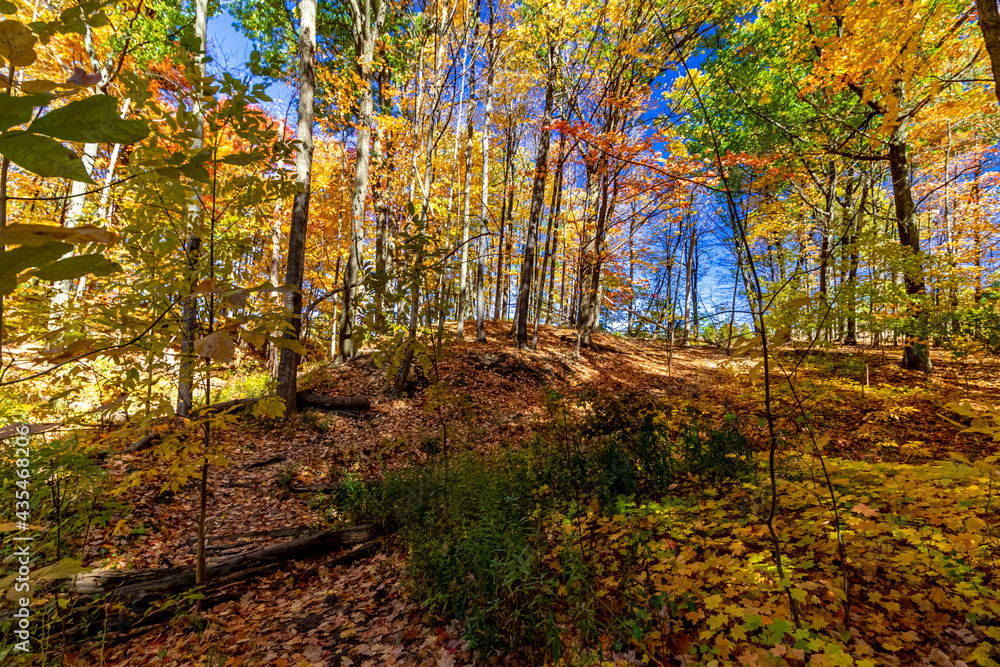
(35, 235)
(290, 343)
(43, 156)
(241, 159)
(91, 120)
(196, 172)
(65, 568)
(81, 265)
(7, 7)
(18, 110)
(12, 262)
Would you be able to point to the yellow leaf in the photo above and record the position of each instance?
(974, 524)
(217, 346)
(17, 43)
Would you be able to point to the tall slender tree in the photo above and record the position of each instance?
(365, 26)
(295, 267)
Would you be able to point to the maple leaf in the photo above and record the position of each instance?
(445, 659)
(864, 510)
(81, 78)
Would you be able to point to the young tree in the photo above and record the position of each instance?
(192, 249)
(366, 28)
(537, 198)
(295, 269)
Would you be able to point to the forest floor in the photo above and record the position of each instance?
(315, 613)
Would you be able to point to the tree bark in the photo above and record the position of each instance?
(826, 227)
(467, 192)
(551, 232)
(189, 310)
(127, 583)
(989, 23)
(485, 197)
(853, 262)
(288, 360)
(501, 272)
(591, 266)
(366, 30)
(537, 199)
(688, 269)
(916, 353)
(696, 331)
(384, 246)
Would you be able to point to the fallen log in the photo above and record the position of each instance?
(143, 442)
(323, 401)
(135, 583)
(268, 462)
(240, 404)
(140, 617)
(254, 535)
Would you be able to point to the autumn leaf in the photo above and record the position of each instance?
(864, 510)
(217, 346)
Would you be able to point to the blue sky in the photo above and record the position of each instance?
(230, 51)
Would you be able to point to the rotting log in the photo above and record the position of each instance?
(343, 402)
(268, 462)
(143, 442)
(251, 536)
(146, 582)
(315, 488)
(139, 617)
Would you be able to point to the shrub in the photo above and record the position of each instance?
(500, 542)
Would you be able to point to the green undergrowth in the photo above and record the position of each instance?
(639, 534)
(481, 532)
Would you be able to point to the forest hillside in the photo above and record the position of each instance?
(499, 332)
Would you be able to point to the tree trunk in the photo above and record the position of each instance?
(826, 226)
(384, 246)
(537, 199)
(189, 312)
(688, 268)
(366, 31)
(989, 23)
(551, 232)
(289, 359)
(485, 198)
(591, 265)
(696, 330)
(916, 353)
(125, 583)
(501, 269)
(463, 270)
(509, 247)
(854, 261)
